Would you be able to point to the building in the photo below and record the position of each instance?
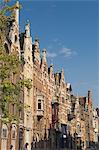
(27, 74)
(10, 131)
(51, 116)
(61, 111)
(96, 126)
(43, 91)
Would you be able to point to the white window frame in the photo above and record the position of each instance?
(40, 97)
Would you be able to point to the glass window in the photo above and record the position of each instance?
(39, 104)
(13, 134)
(78, 128)
(20, 113)
(6, 48)
(16, 38)
(4, 133)
(13, 109)
(62, 99)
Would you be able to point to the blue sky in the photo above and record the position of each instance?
(69, 32)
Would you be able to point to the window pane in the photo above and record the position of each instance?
(39, 105)
(4, 133)
(13, 134)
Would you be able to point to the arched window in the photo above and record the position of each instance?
(13, 132)
(20, 138)
(78, 127)
(21, 133)
(4, 137)
(4, 131)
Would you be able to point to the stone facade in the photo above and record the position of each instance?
(27, 73)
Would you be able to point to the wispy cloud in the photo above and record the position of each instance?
(57, 41)
(51, 55)
(50, 47)
(67, 52)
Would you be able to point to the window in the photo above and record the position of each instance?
(27, 117)
(45, 75)
(29, 48)
(49, 91)
(4, 133)
(20, 113)
(63, 85)
(15, 38)
(13, 108)
(28, 58)
(39, 104)
(68, 111)
(13, 134)
(67, 97)
(78, 128)
(21, 133)
(13, 77)
(62, 99)
(6, 48)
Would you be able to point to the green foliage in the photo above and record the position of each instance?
(9, 65)
(27, 83)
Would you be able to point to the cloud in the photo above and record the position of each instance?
(67, 52)
(51, 55)
(50, 47)
(57, 41)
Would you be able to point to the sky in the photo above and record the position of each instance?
(68, 29)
